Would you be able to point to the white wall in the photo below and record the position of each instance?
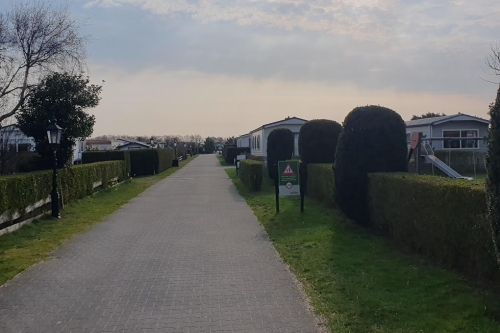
(243, 141)
(295, 128)
(259, 149)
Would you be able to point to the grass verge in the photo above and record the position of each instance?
(358, 282)
(222, 161)
(34, 242)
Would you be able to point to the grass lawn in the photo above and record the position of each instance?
(34, 242)
(359, 283)
(221, 160)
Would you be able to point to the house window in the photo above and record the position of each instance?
(258, 142)
(460, 144)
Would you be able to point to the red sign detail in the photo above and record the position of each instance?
(288, 171)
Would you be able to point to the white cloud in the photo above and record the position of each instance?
(394, 21)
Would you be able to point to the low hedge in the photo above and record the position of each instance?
(102, 156)
(443, 219)
(251, 174)
(321, 183)
(20, 191)
(230, 153)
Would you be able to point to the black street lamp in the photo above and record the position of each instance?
(185, 151)
(54, 135)
(175, 148)
(152, 141)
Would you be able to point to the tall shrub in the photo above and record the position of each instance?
(279, 148)
(318, 141)
(493, 170)
(373, 140)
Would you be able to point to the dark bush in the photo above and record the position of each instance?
(150, 161)
(279, 148)
(373, 140)
(230, 153)
(103, 156)
(20, 191)
(493, 172)
(318, 141)
(251, 174)
(441, 218)
(321, 183)
(165, 158)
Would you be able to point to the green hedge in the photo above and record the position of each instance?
(20, 191)
(321, 183)
(463, 161)
(230, 153)
(148, 161)
(251, 174)
(443, 219)
(102, 156)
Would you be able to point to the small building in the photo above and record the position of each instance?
(130, 145)
(12, 139)
(98, 144)
(258, 137)
(453, 126)
(244, 141)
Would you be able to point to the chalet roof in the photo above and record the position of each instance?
(132, 143)
(443, 119)
(276, 123)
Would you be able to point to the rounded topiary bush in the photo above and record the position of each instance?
(373, 139)
(279, 148)
(318, 141)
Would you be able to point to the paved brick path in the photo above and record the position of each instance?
(185, 256)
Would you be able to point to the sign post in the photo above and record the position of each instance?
(288, 175)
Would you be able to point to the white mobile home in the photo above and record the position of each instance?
(453, 126)
(257, 139)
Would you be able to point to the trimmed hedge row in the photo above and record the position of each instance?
(463, 161)
(20, 191)
(102, 156)
(230, 153)
(443, 219)
(148, 161)
(251, 174)
(139, 162)
(321, 183)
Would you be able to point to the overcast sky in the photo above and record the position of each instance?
(223, 68)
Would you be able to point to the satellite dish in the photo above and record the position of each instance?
(414, 140)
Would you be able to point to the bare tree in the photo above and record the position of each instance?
(36, 37)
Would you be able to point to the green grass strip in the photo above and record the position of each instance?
(34, 242)
(358, 282)
(222, 161)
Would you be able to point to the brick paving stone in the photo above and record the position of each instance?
(187, 255)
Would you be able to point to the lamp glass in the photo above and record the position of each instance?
(54, 134)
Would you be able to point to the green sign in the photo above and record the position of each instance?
(288, 173)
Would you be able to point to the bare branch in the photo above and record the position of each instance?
(493, 61)
(36, 38)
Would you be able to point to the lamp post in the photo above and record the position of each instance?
(152, 141)
(54, 135)
(185, 151)
(175, 148)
